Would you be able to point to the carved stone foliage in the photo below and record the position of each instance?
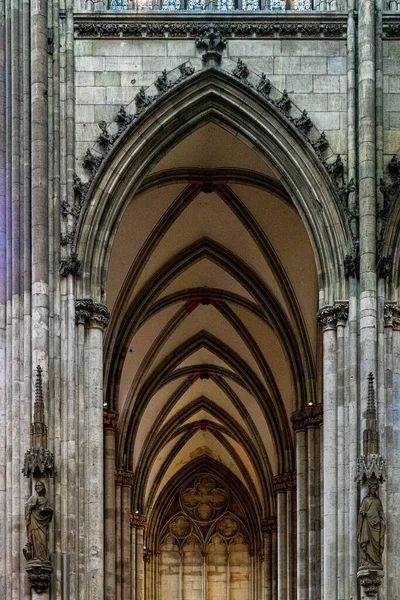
(285, 482)
(329, 317)
(392, 315)
(310, 416)
(124, 478)
(370, 581)
(91, 314)
(269, 524)
(95, 155)
(138, 521)
(110, 419)
(305, 126)
(38, 462)
(38, 516)
(390, 188)
(90, 29)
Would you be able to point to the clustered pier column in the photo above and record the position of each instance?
(285, 488)
(307, 423)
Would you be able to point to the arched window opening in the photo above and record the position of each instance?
(204, 549)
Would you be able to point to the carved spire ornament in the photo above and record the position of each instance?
(371, 527)
(38, 463)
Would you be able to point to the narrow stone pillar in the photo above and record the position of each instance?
(328, 318)
(133, 558)
(118, 537)
(138, 521)
(95, 452)
(269, 530)
(314, 423)
(285, 485)
(110, 421)
(367, 192)
(126, 533)
(291, 538)
(300, 427)
(392, 385)
(282, 545)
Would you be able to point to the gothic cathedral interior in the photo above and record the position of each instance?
(199, 299)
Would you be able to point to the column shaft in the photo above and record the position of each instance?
(109, 514)
(303, 552)
(126, 542)
(330, 545)
(282, 546)
(95, 452)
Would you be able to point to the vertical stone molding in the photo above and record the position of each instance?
(110, 422)
(269, 528)
(94, 317)
(304, 423)
(330, 317)
(284, 486)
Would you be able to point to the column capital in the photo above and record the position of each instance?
(330, 316)
(124, 478)
(138, 521)
(285, 482)
(310, 416)
(110, 419)
(269, 524)
(392, 315)
(91, 314)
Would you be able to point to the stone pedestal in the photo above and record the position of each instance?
(370, 580)
(39, 575)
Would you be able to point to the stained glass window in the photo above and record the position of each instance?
(278, 4)
(196, 4)
(119, 4)
(301, 5)
(171, 4)
(225, 5)
(250, 5)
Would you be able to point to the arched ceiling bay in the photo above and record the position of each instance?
(212, 342)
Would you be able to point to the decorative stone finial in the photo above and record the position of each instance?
(38, 460)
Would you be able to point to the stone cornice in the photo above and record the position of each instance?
(110, 419)
(285, 482)
(269, 524)
(310, 416)
(330, 316)
(124, 478)
(138, 521)
(161, 24)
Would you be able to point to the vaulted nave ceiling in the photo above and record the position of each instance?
(212, 343)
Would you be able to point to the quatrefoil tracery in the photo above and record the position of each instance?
(205, 501)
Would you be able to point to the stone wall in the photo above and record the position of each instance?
(110, 72)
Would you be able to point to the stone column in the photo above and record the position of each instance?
(138, 521)
(300, 427)
(110, 421)
(95, 452)
(367, 192)
(392, 388)
(124, 479)
(285, 486)
(268, 527)
(282, 545)
(328, 318)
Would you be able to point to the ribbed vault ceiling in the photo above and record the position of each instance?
(212, 344)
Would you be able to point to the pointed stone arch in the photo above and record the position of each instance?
(213, 95)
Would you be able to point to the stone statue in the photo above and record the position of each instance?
(38, 515)
(371, 529)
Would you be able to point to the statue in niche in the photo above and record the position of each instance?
(38, 515)
(371, 529)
